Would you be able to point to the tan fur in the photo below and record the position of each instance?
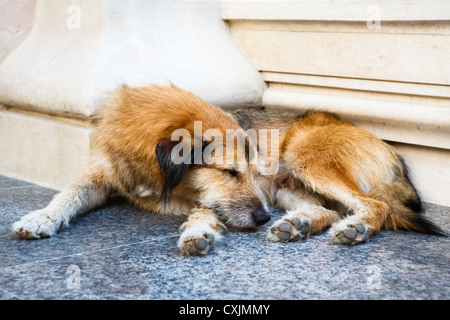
(129, 130)
(327, 162)
(330, 173)
(135, 120)
(326, 155)
(132, 127)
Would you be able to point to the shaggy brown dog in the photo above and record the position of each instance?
(138, 134)
(168, 151)
(332, 173)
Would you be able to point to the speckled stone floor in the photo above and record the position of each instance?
(118, 252)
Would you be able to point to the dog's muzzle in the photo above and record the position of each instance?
(260, 216)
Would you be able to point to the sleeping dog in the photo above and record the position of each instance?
(168, 151)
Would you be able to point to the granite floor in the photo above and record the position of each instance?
(118, 252)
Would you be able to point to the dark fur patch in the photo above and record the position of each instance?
(246, 118)
(423, 225)
(172, 173)
(413, 205)
(419, 222)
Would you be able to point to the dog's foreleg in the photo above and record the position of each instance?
(201, 232)
(306, 219)
(82, 197)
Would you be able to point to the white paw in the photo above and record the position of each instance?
(198, 240)
(290, 230)
(350, 231)
(36, 225)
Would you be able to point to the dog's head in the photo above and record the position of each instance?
(220, 170)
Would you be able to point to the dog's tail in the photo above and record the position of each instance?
(405, 206)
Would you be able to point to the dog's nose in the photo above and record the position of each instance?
(260, 216)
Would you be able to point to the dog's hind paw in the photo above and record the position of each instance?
(289, 230)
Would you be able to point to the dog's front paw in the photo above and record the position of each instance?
(350, 233)
(198, 240)
(197, 246)
(35, 225)
(285, 230)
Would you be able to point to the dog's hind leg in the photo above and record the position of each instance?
(90, 192)
(368, 215)
(201, 232)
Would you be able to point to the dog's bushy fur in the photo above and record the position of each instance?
(330, 173)
(131, 154)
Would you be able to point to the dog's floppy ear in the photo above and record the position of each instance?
(172, 172)
(283, 178)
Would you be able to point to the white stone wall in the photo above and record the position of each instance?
(59, 58)
(17, 18)
(383, 65)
